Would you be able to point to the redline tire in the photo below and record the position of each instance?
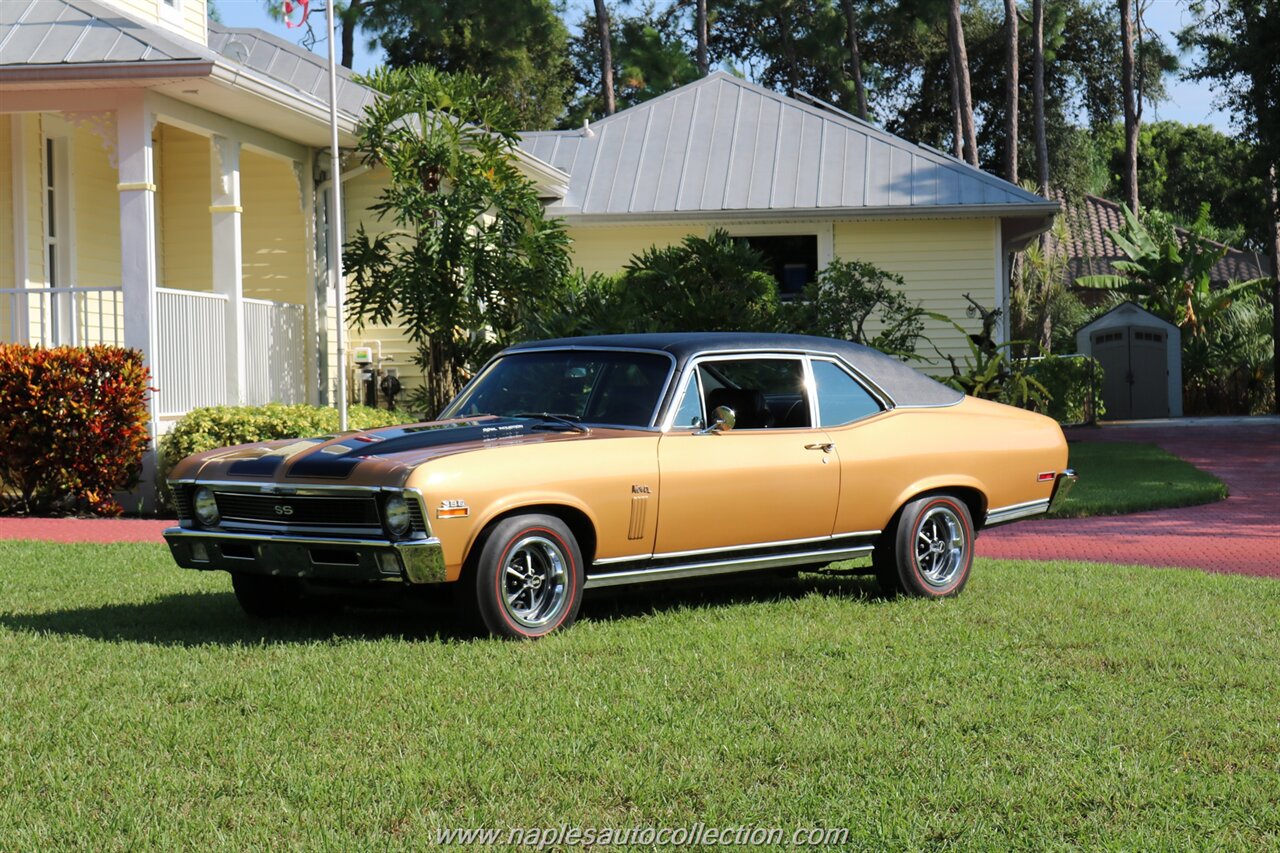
(528, 578)
(933, 547)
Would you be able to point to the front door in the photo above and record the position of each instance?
(773, 478)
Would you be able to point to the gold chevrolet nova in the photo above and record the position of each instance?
(590, 462)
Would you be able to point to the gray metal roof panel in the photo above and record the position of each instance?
(722, 143)
(67, 32)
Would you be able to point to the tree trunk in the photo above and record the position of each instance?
(957, 126)
(1130, 106)
(960, 69)
(1037, 77)
(1011, 91)
(855, 56)
(703, 65)
(1273, 206)
(606, 58)
(350, 21)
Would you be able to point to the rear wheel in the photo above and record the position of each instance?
(931, 552)
(528, 578)
(266, 597)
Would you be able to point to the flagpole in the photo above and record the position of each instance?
(335, 225)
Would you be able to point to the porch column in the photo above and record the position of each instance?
(228, 256)
(138, 278)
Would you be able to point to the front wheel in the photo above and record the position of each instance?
(528, 577)
(931, 553)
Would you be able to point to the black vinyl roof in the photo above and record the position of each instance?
(904, 385)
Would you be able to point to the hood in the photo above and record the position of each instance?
(383, 456)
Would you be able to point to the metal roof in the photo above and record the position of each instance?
(69, 33)
(58, 32)
(905, 385)
(722, 144)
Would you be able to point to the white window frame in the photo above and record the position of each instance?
(57, 179)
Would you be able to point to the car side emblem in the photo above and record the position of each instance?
(453, 509)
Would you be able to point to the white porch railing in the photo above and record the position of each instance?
(275, 352)
(54, 316)
(191, 364)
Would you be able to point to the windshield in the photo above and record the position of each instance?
(590, 386)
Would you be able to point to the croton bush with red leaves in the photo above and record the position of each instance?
(73, 426)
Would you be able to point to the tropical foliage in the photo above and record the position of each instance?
(857, 301)
(470, 257)
(991, 371)
(73, 427)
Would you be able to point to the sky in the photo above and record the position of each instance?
(1191, 103)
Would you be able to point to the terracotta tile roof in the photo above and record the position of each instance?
(1091, 252)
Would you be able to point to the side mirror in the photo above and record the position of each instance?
(722, 420)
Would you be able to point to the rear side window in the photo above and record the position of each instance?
(841, 399)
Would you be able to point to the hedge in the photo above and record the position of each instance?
(1075, 399)
(73, 426)
(224, 426)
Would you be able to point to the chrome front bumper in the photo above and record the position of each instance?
(1061, 488)
(319, 558)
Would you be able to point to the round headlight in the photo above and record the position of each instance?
(206, 507)
(396, 513)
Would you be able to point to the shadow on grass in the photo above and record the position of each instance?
(214, 618)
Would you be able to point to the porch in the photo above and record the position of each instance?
(130, 219)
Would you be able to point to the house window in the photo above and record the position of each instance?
(792, 258)
(57, 240)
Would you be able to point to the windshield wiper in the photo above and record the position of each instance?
(568, 421)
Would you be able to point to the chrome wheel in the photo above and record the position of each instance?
(535, 581)
(940, 546)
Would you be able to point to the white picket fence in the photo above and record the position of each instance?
(275, 335)
(190, 362)
(53, 316)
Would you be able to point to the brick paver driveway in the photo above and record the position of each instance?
(1239, 535)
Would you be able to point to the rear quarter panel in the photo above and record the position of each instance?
(996, 449)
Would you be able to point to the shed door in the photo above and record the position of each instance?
(1135, 368)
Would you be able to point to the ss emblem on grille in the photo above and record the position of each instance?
(284, 509)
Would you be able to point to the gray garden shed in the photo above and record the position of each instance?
(1141, 358)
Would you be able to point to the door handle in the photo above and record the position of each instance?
(825, 446)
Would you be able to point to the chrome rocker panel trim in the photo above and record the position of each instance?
(416, 561)
(1061, 488)
(726, 566)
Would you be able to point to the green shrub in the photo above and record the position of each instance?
(857, 301)
(1074, 385)
(73, 426)
(224, 426)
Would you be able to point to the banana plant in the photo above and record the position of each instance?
(1169, 273)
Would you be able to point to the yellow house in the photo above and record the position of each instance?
(164, 183)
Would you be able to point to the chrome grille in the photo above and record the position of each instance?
(305, 510)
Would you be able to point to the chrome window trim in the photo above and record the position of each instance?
(753, 355)
(840, 365)
(653, 416)
(875, 390)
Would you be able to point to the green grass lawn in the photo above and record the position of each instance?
(1122, 477)
(1050, 706)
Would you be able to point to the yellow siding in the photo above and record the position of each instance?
(97, 212)
(6, 217)
(185, 231)
(190, 17)
(361, 193)
(608, 250)
(940, 260)
(273, 230)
